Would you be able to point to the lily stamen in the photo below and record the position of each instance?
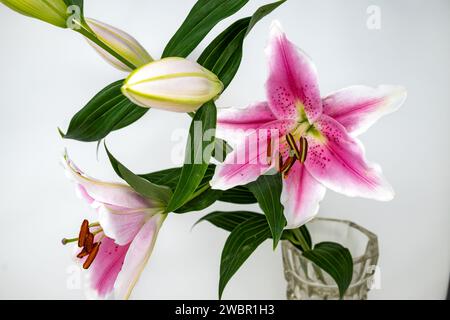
(293, 145)
(91, 256)
(303, 149)
(84, 230)
(86, 240)
(269, 150)
(287, 165)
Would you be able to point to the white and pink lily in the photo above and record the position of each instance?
(115, 249)
(316, 139)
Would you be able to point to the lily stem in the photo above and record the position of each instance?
(300, 240)
(199, 191)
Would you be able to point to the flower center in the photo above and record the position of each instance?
(86, 241)
(298, 151)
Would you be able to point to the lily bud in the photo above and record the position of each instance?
(173, 84)
(51, 11)
(121, 42)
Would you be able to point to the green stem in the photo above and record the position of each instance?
(85, 31)
(198, 192)
(301, 241)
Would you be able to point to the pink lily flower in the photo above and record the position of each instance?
(115, 249)
(316, 139)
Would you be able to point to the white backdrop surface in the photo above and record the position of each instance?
(49, 73)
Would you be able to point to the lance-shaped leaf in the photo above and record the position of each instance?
(170, 177)
(139, 184)
(241, 243)
(335, 260)
(223, 56)
(267, 190)
(108, 111)
(199, 148)
(200, 202)
(228, 220)
(239, 195)
(201, 19)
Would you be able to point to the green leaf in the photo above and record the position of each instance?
(108, 111)
(201, 19)
(239, 195)
(145, 188)
(267, 190)
(241, 243)
(300, 238)
(202, 201)
(223, 56)
(306, 235)
(228, 220)
(170, 177)
(335, 260)
(198, 155)
(221, 150)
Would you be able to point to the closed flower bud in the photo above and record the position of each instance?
(51, 11)
(121, 42)
(173, 84)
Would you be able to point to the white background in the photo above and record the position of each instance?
(48, 74)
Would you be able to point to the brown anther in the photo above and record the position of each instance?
(84, 230)
(269, 150)
(83, 253)
(303, 149)
(89, 242)
(293, 145)
(91, 256)
(280, 163)
(288, 164)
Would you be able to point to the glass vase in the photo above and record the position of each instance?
(306, 281)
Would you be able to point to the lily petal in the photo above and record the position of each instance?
(137, 256)
(107, 264)
(292, 87)
(337, 161)
(123, 224)
(252, 117)
(249, 159)
(359, 107)
(121, 42)
(116, 194)
(301, 196)
(233, 124)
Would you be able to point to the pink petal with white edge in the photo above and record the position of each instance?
(249, 159)
(122, 224)
(138, 254)
(233, 124)
(252, 117)
(337, 161)
(301, 196)
(116, 194)
(359, 107)
(107, 264)
(292, 85)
